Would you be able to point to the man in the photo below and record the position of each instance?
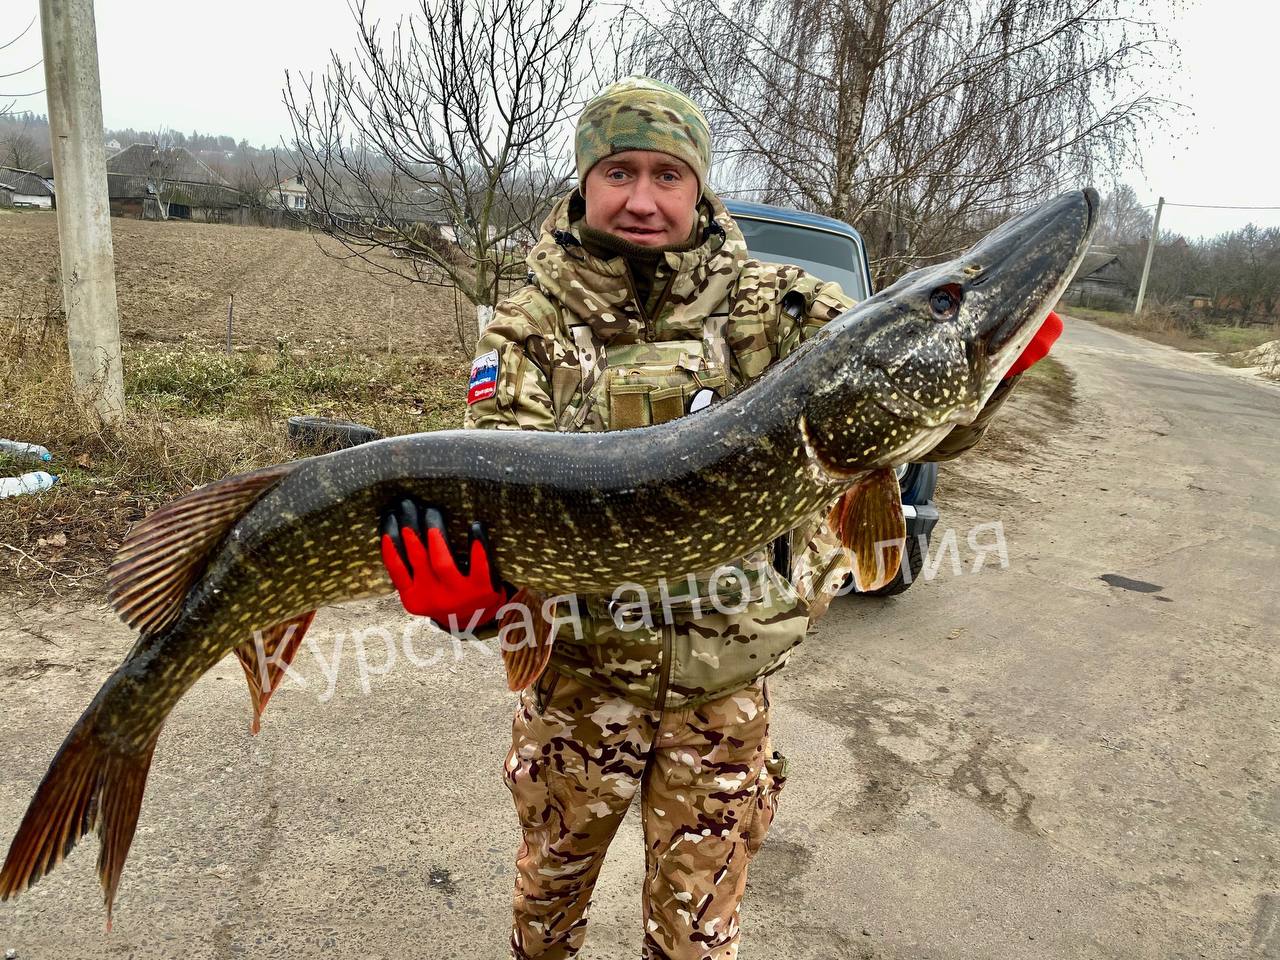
(642, 307)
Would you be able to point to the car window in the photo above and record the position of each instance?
(826, 255)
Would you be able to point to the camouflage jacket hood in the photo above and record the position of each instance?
(599, 291)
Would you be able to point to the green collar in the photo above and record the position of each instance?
(604, 245)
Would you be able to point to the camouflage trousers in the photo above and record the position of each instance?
(708, 781)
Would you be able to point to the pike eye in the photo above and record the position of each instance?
(945, 301)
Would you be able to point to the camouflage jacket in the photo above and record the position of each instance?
(574, 350)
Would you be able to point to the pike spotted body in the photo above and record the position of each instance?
(566, 513)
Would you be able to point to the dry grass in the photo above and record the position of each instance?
(311, 337)
(193, 416)
(1181, 328)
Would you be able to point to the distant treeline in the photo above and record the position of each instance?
(24, 143)
(1235, 274)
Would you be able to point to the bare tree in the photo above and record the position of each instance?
(162, 167)
(251, 183)
(20, 151)
(9, 99)
(453, 122)
(1123, 219)
(1244, 270)
(1239, 271)
(1177, 269)
(916, 120)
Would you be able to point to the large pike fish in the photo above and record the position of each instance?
(583, 513)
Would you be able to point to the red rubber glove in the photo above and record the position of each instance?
(1038, 348)
(430, 579)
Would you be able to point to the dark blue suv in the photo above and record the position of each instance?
(833, 250)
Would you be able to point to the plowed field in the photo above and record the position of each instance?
(173, 281)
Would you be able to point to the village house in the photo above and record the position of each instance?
(162, 183)
(288, 194)
(1101, 278)
(29, 189)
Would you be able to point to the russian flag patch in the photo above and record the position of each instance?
(484, 377)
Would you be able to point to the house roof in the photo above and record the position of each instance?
(200, 194)
(142, 170)
(1094, 261)
(122, 186)
(26, 182)
(171, 163)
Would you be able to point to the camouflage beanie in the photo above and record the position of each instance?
(642, 114)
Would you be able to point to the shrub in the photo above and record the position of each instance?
(198, 379)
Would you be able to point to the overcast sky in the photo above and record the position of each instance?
(220, 70)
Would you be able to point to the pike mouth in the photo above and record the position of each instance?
(1010, 329)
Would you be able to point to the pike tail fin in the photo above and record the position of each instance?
(525, 639)
(869, 521)
(87, 786)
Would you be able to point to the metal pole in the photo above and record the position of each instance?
(1146, 267)
(84, 215)
(231, 302)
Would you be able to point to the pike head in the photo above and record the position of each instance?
(924, 355)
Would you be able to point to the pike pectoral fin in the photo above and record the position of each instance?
(868, 520)
(266, 657)
(525, 638)
(166, 553)
(88, 785)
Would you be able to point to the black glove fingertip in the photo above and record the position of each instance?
(433, 519)
(392, 528)
(411, 516)
(478, 532)
(389, 525)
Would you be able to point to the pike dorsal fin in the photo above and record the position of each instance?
(165, 554)
(868, 520)
(265, 658)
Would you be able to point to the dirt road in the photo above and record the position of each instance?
(1074, 755)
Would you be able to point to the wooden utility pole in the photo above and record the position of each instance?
(84, 215)
(1146, 267)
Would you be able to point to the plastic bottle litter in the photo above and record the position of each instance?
(27, 483)
(19, 449)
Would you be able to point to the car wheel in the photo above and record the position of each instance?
(918, 481)
(323, 434)
(912, 561)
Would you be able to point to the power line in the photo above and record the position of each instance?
(1208, 206)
